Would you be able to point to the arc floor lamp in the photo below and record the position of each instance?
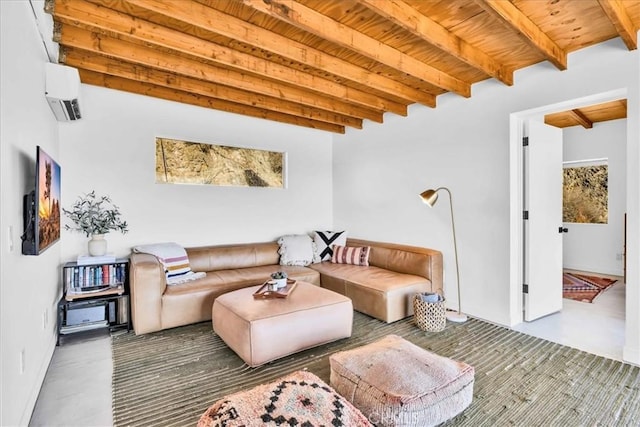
(430, 197)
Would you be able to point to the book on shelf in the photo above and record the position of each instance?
(77, 278)
(123, 310)
(92, 260)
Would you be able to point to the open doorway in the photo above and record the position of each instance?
(575, 324)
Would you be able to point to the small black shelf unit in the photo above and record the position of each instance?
(95, 296)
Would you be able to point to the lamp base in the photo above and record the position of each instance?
(454, 316)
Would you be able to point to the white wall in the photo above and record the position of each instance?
(631, 350)
(29, 285)
(112, 150)
(462, 144)
(594, 247)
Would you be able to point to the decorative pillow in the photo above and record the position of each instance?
(174, 259)
(325, 240)
(296, 249)
(351, 255)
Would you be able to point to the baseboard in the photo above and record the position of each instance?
(594, 269)
(631, 355)
(42, 372)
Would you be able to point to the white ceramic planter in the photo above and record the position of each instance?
(97, 245)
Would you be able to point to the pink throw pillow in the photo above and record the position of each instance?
(351, 255)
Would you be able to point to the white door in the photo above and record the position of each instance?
(543, 229)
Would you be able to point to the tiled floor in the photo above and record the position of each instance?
(77, 387)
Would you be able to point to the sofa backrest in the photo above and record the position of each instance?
(227, 257)
(402, 258)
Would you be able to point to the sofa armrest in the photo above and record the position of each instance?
(148, 283)
(415, 260)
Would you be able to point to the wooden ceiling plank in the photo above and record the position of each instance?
(619, 17)
(581, 118)
(214, 21)
(309, 20)
(430, 31)
(118, 83)
(85, 40)
(507, 13)
(114, 67)
(126, 27)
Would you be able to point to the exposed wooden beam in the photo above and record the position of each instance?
(136, 54)
(97, 79)
(507, 13)
(581, 118)
(114, 67)
(430, 31)
(316, 23)
(211, 21)
(619, 17)
(125, 27)
(146, 57)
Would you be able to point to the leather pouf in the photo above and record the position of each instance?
(299, 399)
(396, 383)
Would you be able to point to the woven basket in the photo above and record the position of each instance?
(429, 316)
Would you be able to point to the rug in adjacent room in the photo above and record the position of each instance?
(582, 287)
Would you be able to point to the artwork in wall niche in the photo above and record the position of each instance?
(183, 162)
(585, 192)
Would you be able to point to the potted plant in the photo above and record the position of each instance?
(95, 216)
(280, 277)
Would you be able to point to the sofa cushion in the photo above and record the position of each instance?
(325, 240)
(376, 278)
(229, 280)
(225, 257)
(296, 249)
(383, 294)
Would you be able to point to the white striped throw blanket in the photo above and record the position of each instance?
(174, 259)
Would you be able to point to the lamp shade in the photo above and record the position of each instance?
(429, 197)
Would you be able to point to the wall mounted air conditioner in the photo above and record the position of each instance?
(62, 87)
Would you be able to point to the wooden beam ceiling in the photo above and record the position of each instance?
(515, 19)
(588, 115)
(324, 64)
(617, 13)
(433, 33)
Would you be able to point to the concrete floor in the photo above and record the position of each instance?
(596, 327)
(77, 388)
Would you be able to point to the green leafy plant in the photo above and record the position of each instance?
(95, 215)
(279, 275)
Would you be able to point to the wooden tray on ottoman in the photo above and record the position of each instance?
(265, 293)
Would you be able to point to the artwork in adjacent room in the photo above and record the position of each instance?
(585, 192)
(182, 162)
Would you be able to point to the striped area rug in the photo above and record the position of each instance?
(582, 287)
(171, 377)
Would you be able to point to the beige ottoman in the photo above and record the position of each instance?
(396, 383)
(260, 331)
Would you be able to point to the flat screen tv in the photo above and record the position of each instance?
(42, 207)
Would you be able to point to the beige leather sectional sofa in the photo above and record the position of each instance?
(383, 290)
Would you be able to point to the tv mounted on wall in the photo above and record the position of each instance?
(42, 207)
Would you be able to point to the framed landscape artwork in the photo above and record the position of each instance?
(585, 192)
(183, 162)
